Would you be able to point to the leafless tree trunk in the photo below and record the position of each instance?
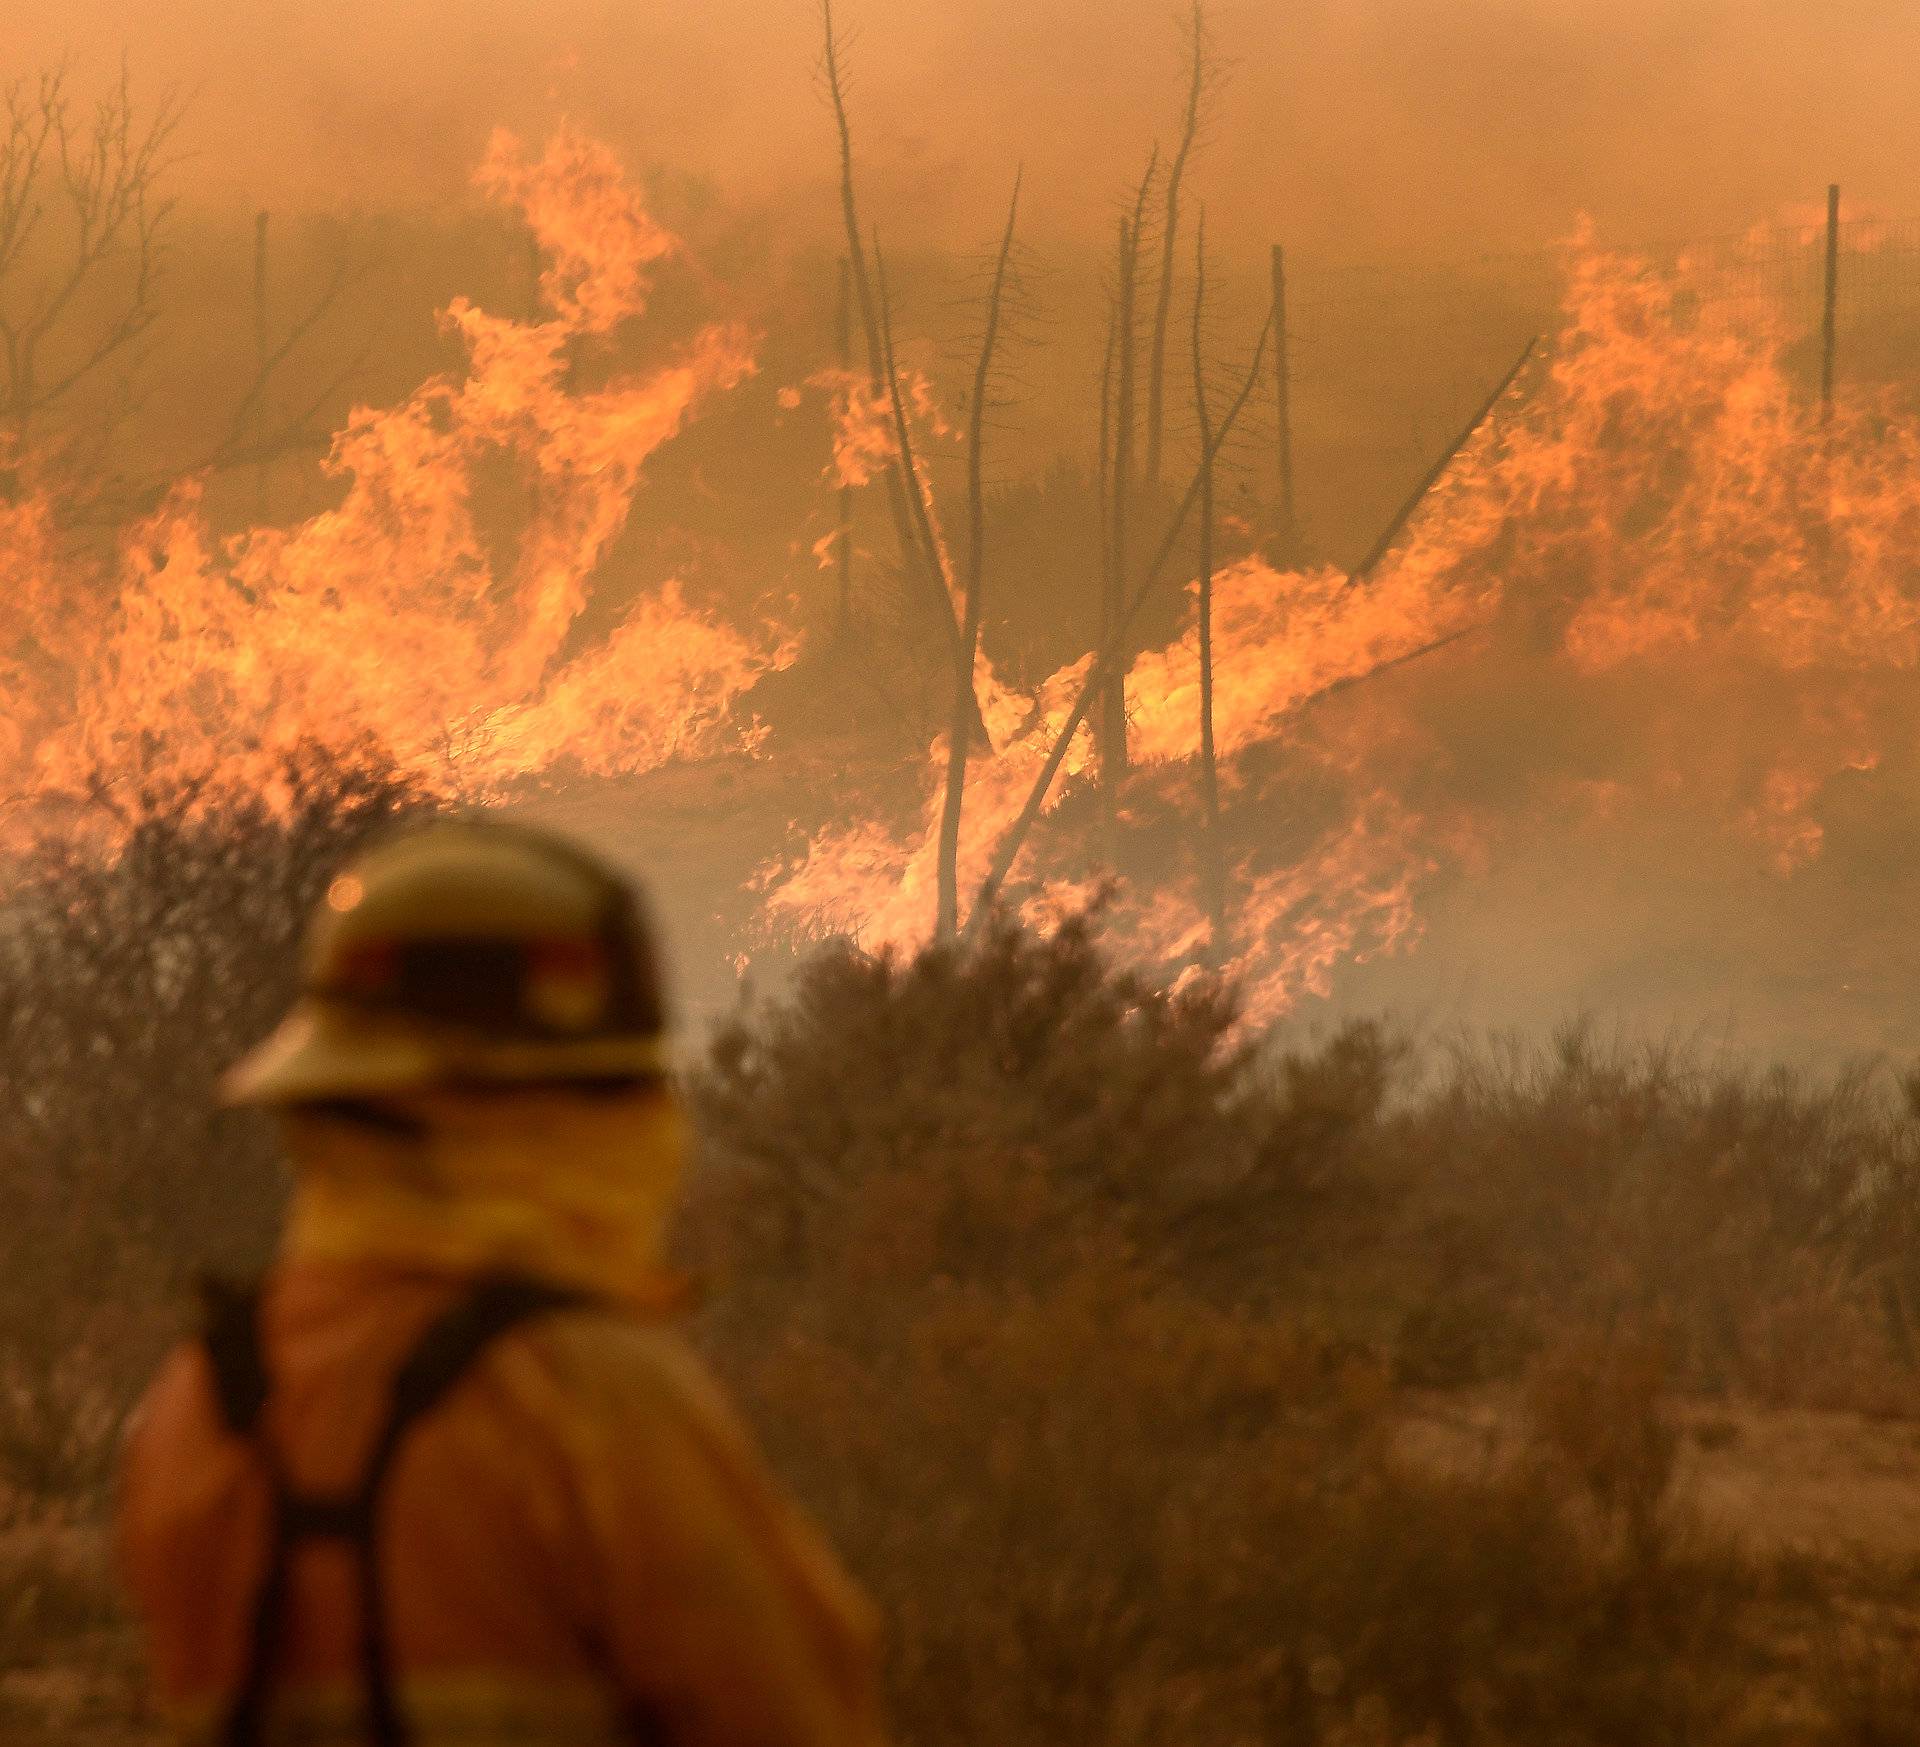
(258, 431)
(1113, 700)
(1103, 479)
(1212, 854)
(966, 707)
(1118, 418)
(934, 556)
(1201, 73)
(83, 221)
(918, 554)
(1112, 652)
(1288, 531)
(80, 197)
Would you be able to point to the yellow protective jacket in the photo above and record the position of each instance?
(578, 1545)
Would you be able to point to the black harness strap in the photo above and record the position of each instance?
(230, 1316)
(443, 1355)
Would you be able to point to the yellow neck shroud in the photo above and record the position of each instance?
(562, 1185)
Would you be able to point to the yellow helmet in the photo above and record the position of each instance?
(466, 954)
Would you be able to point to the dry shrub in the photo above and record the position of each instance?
(1598, 1412)
(56, 1590)
(1115, 1477)
(1054, 1090)
(1765, 1221)
(129, 981)
(1872, 1685)
(1075, 1313)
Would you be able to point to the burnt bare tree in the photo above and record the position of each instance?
(1203, 79)
(919, 550)
(1118, 472)
(261, 428)
(1113, 589)
(1114, 652)
(1212, 853)
(966, 706)
(843, 526)
(83, 220)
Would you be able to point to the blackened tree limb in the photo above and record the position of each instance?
(1111, 653)
(1212, 852)
(1437, 472)
(81, 202)
(925, 553)
(1199, 72)
(1112, 732)
(966, 704)
(833, 76)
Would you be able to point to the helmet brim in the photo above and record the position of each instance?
(320, 1052)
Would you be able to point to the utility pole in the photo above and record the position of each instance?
(261, 466)
(1212, 853)
(1112, 733)
(1283, 398)
(1830, 322)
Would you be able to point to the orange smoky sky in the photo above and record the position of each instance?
(1354, 128)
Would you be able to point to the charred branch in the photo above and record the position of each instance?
(1203, 75)
(925, 555)
(1408, 510)
(1113, 652)
(902, 484)
(80, 199)
(1112, 731)
(966, 706)
(843, 335)
(1212, 852)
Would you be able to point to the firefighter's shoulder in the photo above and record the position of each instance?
(623, 1387)
(654, 1441)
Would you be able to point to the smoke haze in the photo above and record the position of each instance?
(1353, 127)
(1352, 130)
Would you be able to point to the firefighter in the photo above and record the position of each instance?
(446, 1475)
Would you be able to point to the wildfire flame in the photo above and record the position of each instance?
(1658, 577)
(1658, 512)
(865, 441)
(393, 620)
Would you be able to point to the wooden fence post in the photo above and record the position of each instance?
(262, 467)
(1283, 396)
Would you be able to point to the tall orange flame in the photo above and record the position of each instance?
(393, 619)
(1661, 512)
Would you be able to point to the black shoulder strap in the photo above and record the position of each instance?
(443, 1355)
(230, 1332)
(447, 1350)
